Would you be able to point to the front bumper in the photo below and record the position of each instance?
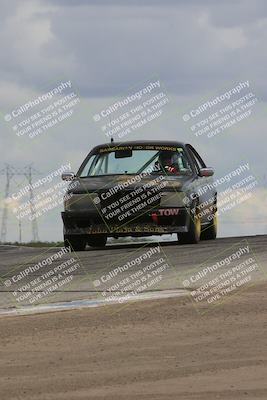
(156, 222)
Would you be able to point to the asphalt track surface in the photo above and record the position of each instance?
(19, 289)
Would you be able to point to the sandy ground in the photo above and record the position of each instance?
(161, 349)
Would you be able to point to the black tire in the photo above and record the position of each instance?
(210, 232)
(75, 242)
(194, 231)
(97, 240)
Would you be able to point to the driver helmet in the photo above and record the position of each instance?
(168, 158)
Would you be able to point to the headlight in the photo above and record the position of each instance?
(81, 202)
(173, 199)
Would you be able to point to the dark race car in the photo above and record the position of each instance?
(140, 189)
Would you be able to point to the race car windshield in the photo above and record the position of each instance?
(137, 162)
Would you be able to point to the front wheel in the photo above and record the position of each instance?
(97, 240)
(75, 242)
(194, 230)
(210, 232)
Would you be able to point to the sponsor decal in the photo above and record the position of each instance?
(167, 212)
(138, 147)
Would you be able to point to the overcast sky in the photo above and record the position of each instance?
(198, 49)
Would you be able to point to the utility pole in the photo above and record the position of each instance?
(20, 233)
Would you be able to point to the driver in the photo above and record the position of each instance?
(168, 161)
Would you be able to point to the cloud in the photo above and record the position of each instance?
(197, 48)
(107, 47)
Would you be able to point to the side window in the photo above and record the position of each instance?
(184, 163)
(198, 162)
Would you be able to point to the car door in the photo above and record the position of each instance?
(204, 188)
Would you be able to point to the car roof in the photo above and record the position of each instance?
(142, 142)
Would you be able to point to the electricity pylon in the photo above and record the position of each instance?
(9, 175)
(9, 172)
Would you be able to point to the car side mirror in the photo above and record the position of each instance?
(206, 172)
(68, 176)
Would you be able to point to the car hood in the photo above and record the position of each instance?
(128, 182)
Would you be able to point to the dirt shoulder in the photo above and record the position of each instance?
(161, 349)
